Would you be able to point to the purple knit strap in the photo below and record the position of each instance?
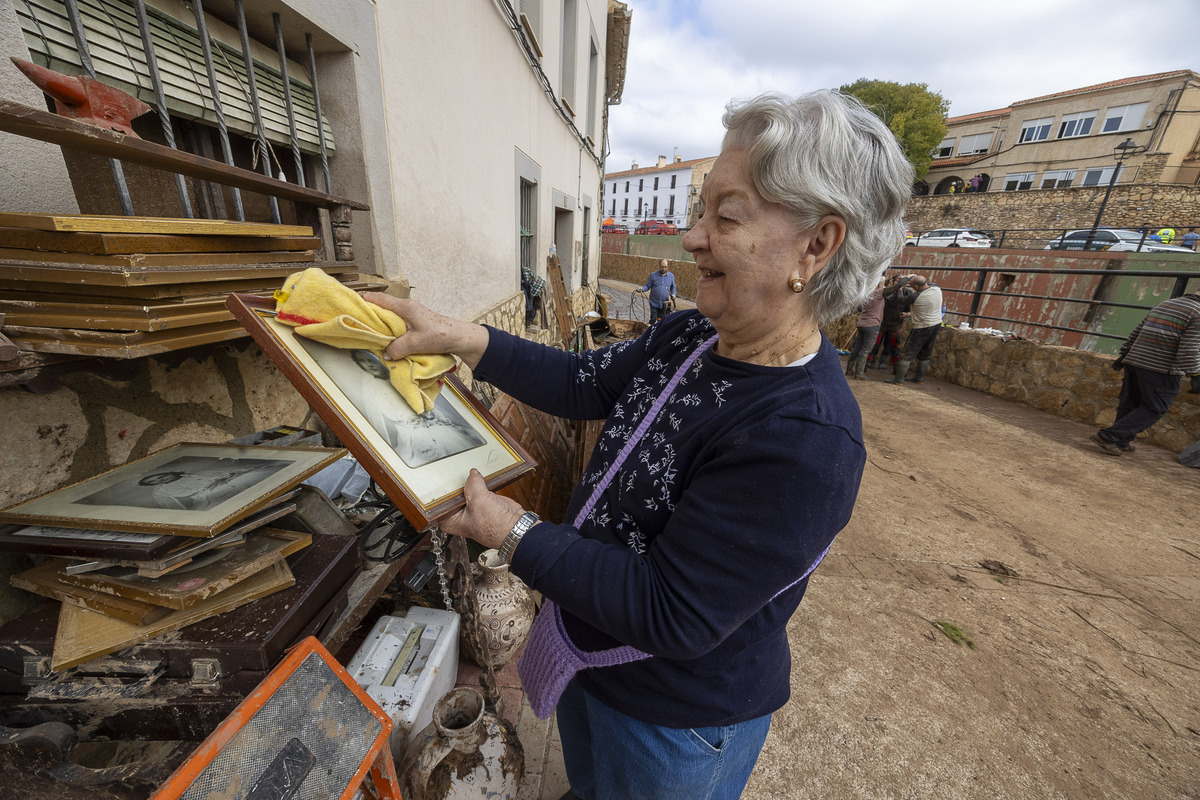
(550, 660)
(807, 572)
(637, 435)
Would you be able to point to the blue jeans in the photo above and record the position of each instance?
(610, 756)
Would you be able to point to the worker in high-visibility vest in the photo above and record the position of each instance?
(1167, 235)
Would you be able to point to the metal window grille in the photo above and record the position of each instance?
(112, 31)
(528, 202)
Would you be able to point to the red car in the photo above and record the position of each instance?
(658, 227)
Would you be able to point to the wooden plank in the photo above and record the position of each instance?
(181, 292)
(118, 243)
(131, 345)
(92, 275)
(139, 260)
(106, 223)
(206, 576)
(45, 579)
(562, 302)
(42, 125)
(114, 316)
(84, 635)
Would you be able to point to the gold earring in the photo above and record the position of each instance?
(797, 285)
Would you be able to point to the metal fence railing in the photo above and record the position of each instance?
(967, 290)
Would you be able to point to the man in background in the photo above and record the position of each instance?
(1161, 350)
(661, 286)
(926, 313)
(897, 298)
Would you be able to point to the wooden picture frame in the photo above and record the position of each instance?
(154, 551)
(186, 490)
(183, 587)
(388, 438)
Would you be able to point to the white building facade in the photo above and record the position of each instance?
(667, 192)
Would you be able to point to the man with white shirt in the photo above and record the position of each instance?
(926, 316)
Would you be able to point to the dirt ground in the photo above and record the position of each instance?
(1082, 682)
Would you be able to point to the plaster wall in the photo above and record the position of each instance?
(463, 107)
(35, 176)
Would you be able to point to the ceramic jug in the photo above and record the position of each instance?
(465, 752)
(505, 613)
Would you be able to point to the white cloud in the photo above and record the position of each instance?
(688, 59)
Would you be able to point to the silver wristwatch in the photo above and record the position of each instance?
(527, 521)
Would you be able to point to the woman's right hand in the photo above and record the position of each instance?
(430, 332)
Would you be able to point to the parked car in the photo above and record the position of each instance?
(615, 229)
(1118, 240)
(657, 227)
(950, 237)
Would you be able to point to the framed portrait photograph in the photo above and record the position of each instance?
(185, 490)
(421, 461)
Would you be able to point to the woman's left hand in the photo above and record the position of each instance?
(487, 518)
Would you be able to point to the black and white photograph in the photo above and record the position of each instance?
(418, 439)
(194, 483)
(421, 461)
(185, 490)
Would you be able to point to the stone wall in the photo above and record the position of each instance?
(1047, 209)
(1058, 380)
(636, 269)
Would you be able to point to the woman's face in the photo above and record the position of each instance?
(747, 250)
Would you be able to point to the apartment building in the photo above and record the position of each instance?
(1069, 138)
(667, 191)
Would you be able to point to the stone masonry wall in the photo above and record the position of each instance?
(1128, 207)
(635, 270)
(1062, 381)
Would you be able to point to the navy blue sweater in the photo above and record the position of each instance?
(695, 551)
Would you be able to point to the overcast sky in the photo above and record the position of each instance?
(688, 58)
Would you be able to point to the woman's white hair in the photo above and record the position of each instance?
(820, 154)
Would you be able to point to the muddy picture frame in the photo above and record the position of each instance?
(423, 493)
(216, 485)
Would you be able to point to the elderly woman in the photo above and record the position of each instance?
(730, 458)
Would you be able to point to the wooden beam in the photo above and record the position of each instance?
(100, 223)
(92, 276)
(108, 244)
(34, 123)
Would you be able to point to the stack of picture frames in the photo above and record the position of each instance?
(162, 542)
(420, 461)
(127, 287)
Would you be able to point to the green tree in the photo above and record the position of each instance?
(914, 114)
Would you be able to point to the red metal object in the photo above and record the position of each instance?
(86, 99)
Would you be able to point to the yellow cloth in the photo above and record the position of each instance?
(322, 309)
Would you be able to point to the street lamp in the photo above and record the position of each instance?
(1121, 152)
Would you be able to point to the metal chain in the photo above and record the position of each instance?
(436, 539)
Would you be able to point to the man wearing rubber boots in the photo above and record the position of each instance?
(926, 322)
